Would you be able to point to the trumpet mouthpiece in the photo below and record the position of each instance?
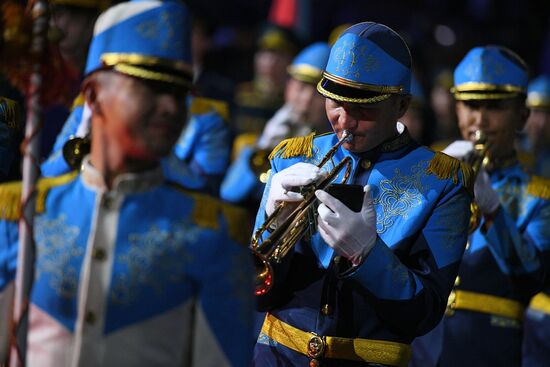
(347, 137)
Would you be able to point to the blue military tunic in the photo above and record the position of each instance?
(142, 274)
(508, 260)
(400, 290)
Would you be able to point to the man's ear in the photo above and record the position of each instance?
(403, 105)
(524, 115)
(90, 90)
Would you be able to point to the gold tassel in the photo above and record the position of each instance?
(444, 167)
(239, 223)
(294, 147)
(10, 195)
(539, 187)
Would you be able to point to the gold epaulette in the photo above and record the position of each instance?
(78, 101)
(539, 187)
(294, 147)
(241, 141)
(10, 195)
(445, 167)
(201, 106)
(206, 214)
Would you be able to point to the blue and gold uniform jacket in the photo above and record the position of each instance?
(199, 158)
(143, 274)
(400, 289)
(510, 259)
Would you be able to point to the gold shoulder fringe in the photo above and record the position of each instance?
(444, 167)
(294, 147)
(206, 213)
(539, 187)
(10, 111)
(10, 195)
(201, 106)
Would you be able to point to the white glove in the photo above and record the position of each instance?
(459, 148)
(276, 129)
(282, 182)
(349, 233)
(484, 195)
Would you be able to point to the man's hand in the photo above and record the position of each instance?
(282, 182)
(349, 233)
(485, 197)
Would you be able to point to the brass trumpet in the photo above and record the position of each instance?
(478, 159)
(301, 222)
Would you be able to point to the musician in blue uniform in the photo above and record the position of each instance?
(536, 328)
(507, 257)
(371, 279)
(538, 125)
(131, 269)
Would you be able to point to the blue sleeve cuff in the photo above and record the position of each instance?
(383, 275)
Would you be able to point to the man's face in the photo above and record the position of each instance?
(270, 66)
(498, 119)
(370, 124)
(76, 26)
(144, 118)
(308, 106)
(538, 127)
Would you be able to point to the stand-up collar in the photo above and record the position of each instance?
(126, 183)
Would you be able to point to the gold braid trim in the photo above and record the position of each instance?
(10, 195)
(294, 147)
(468, 96)
(336, 97)
(539, 187)
(142, 73)
(444, 167)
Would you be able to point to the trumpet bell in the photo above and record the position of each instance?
(75, 149)
(264, 276)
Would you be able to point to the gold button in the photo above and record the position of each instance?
(457, 281)
(90, 317)
(365, 163)
(99, 254)
(326, 309)
(337, 259)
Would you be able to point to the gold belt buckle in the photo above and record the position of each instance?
(316, 346)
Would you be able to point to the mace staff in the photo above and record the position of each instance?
(31, 151)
